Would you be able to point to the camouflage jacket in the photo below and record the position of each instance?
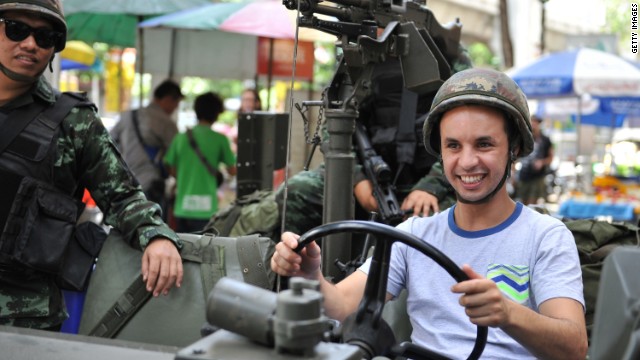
(86, 158)
(436, 184)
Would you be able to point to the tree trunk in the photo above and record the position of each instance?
(507, 45)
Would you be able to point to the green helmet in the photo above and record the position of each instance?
(480, 87)
(51, 9)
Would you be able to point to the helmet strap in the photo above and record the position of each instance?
(18, 77)
(25, 78)
(51, 62)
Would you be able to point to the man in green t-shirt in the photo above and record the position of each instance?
(196, 195)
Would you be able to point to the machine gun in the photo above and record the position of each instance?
(410, 33)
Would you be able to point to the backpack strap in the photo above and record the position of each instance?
(212, 170)
(56, 113)
(11, 129)
(406, 134)
(231, 220)
(122, 310)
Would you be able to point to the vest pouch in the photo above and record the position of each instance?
(48, 221)
(83, 249)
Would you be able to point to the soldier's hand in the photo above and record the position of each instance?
(363, 192)
(422, 203)
(161, 266)
(286, 262)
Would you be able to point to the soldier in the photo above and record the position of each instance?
(46, 168)
(416, 190)
(478, 126)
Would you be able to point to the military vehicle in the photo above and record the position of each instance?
(247, 322)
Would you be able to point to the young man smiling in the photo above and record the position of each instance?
(45, 167)
(525, 279)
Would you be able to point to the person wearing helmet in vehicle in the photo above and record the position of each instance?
(50, 158)
(525, 279)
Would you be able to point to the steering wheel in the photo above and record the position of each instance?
(370, 309)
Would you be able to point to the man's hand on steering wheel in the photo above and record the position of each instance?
(287, 262)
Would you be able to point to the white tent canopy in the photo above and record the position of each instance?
(218, 55)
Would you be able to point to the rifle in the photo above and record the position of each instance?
(380, 175)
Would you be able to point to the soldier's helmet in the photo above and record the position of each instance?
(480, 87)
(50, 9)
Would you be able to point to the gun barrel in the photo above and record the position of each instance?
(365, 4)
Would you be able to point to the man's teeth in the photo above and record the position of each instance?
(471, 179)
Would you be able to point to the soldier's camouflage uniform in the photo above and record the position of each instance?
(86, 158)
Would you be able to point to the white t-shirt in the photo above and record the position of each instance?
(532, 257)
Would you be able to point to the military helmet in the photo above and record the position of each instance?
(479, 87)
(51, 9)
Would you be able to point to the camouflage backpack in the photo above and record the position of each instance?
(595, 240)
(255, 213)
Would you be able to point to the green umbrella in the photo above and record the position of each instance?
(115, 21)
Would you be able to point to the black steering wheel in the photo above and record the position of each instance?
(367, 319)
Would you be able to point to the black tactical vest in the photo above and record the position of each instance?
(380, 115)
(30, 205)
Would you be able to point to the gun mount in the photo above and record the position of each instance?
(369, 32)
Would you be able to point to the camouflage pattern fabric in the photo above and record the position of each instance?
(480, 87)
(86, 158)
(436, 184)
(305, 196)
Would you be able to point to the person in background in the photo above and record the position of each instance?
(48, 165)
(530, 185)
(478, 125)
(193, 159)
(143, 137)
(249, 101)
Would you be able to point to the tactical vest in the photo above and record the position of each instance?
(32, 209)
(380, 115)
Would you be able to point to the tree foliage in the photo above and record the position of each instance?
(618, 21)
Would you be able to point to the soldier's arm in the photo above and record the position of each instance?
(115, 190)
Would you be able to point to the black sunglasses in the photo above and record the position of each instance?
(18, 31)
